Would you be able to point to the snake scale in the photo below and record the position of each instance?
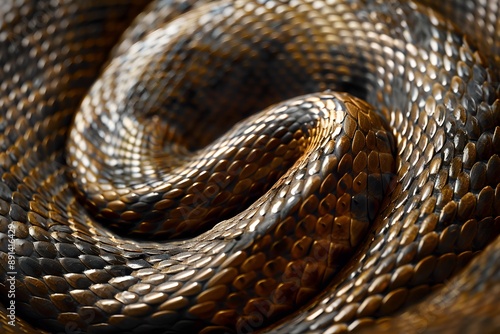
(356, 187)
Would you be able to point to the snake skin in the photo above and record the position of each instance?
(320, 214)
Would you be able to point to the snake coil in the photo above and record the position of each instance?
(356, 186)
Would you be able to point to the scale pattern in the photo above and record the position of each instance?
(369, 183)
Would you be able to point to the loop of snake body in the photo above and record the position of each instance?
(143, 189)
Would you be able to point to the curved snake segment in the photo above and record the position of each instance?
(107, 178)
(438, 93)
(239, 165)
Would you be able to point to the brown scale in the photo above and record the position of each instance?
(296, 228)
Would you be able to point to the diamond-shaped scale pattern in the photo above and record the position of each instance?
(227, 166)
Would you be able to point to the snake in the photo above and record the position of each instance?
(272, 166)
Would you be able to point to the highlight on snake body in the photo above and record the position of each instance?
(230, 166)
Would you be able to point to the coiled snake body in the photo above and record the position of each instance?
(324, 213)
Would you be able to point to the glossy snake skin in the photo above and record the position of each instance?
(124, 208)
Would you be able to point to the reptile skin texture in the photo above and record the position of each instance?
(314, 166)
